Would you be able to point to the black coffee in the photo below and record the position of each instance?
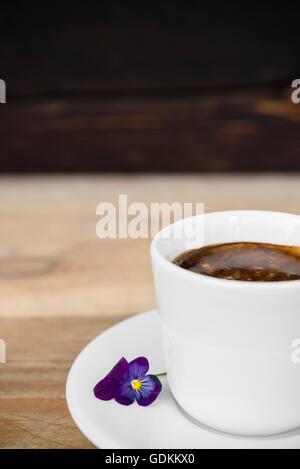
(253, 262)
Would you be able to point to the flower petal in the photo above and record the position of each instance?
(120, 371)
(106, 388)
(151, 387)
(125, 394)
(138, 368)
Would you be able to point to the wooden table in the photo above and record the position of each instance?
(60, 285)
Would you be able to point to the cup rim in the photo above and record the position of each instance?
(195, 277)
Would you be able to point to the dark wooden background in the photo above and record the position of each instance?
(169, 86)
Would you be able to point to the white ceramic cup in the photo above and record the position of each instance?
(229, 344)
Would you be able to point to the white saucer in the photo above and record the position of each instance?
(161, 425)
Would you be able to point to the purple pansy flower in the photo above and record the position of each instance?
(127, 382)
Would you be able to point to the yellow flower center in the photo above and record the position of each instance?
(136, 384)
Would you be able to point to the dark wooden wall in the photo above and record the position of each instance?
(170, 86)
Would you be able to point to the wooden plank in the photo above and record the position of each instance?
(256, 130)
(33, 408)
(110, 46)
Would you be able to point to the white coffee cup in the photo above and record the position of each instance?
(229, 344)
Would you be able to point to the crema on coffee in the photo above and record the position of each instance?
(251, 262)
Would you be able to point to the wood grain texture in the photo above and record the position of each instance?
(130, 88)
(233, 130)
(60, 285)
(33, 408)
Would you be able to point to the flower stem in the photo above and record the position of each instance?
(161, 374)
